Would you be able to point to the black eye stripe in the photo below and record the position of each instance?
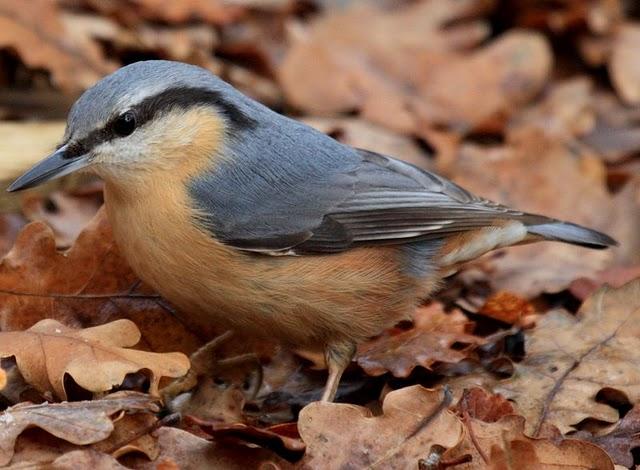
(149, 108)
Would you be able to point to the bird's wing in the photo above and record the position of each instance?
(394, 202)
(330, 205)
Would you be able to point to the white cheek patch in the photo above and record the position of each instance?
(485, 240)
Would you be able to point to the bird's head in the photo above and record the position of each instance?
(147, 117)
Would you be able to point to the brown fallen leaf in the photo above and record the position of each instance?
(339, 65)
(267, 438)
(502, 445)
(82, 423)
(212, 11)
(624, 66)
(429, 341)
(10, 226)
(66, 212)
(413, 420)
(182, 450)
(621, 440)
(33, 28)
(22, 144)
(85, 459)
(90, 284)
(507, 307)
(616, 276)
(481, 405)
(95, 357)
(571, 358)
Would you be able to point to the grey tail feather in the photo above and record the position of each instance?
(572, 233)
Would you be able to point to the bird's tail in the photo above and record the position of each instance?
(571, 233)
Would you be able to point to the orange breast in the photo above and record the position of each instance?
(302, 300)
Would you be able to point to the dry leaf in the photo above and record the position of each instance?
(182, 450)
(620, 441)
(88, 285)
(507, 307)
(428, 342)
(616, 276)
(570, 359)
(86, 459)
(3, 379)
(413, 420)
(339, 65)
(211, 11)
(502, 445)
(624, 66)
(267, 438)
(479, 404)
(95, 357)
(33, 28)
(84, 422)
(66, 212)
(22, 144)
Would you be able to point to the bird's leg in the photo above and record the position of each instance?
(337, 356)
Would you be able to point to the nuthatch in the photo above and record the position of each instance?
(247, 218)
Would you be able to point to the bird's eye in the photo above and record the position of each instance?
(125, 124)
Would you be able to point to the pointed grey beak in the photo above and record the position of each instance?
(55, 165)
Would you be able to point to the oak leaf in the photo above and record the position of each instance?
(570, 359)
(181, 449)
(89, 284)
(95, 357)
(619, 441)
(82, 423)
(502, 445)
(35, 30)
(413, 420)
(428, 342)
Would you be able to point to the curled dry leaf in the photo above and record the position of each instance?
(33, 28)
(572, 358)
(621, 440)
(502, 445)
(180, 449)
(90, 284)
(268, 438)
(95, 357)
(413, 420)
(84, 422)
(427, 342)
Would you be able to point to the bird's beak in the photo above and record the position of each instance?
(55, 165)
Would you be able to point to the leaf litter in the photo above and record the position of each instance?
(531, 104)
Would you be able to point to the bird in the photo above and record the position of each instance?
(245, 218)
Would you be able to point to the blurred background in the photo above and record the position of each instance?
(533, 103)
